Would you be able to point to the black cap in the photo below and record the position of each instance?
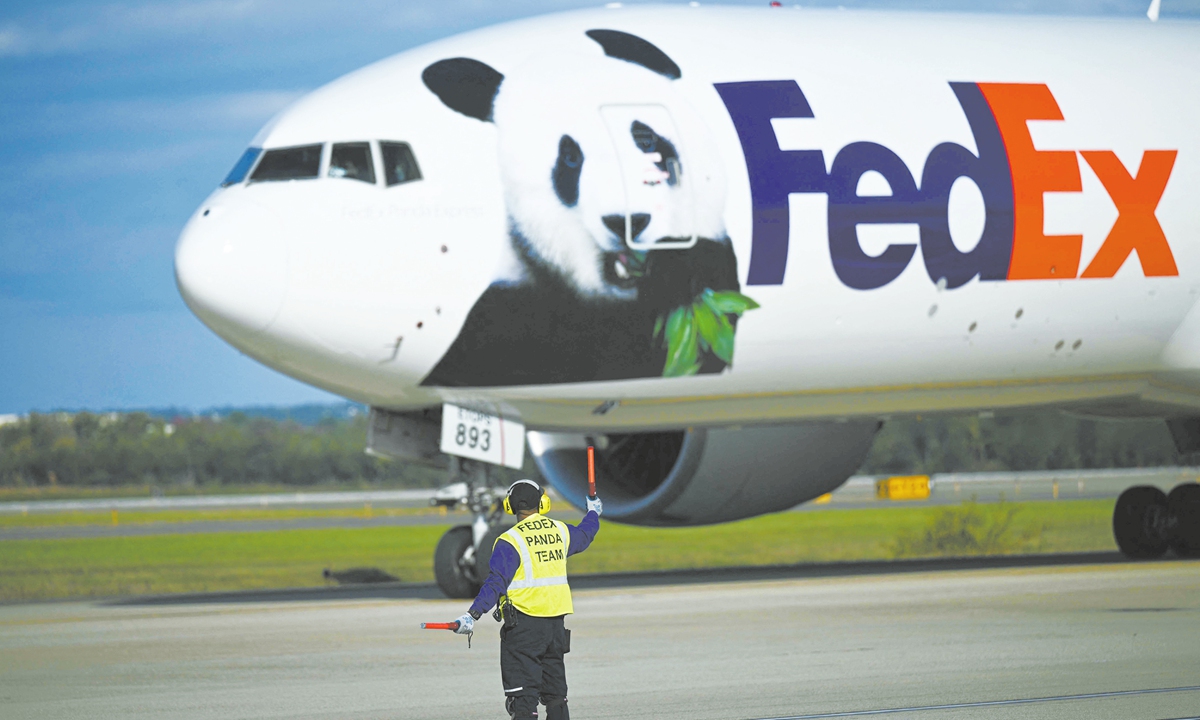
(524, 496)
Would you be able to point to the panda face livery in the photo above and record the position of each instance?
(590, 180)
(591, 156)
(656, 162)
(615, 200)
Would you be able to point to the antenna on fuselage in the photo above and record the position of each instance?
(1152, 13)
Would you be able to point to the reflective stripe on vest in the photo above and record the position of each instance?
(539, 587)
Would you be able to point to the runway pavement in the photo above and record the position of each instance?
(1065, 641)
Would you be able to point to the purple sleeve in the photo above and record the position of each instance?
(503, 565)
(583, 533)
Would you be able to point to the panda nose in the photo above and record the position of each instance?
(616, 223)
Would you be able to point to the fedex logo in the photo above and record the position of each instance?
(1012, 176)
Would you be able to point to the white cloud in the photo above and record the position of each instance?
(81, 28)
(91, 165)
(189, 16)
(16, 40)
(242, 112)
(12, 42)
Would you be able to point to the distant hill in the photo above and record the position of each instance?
(304, 446)
(308, 414)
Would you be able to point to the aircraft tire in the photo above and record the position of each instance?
(1183, 508)
(1140, 522)
(483, 558)
(449, 573)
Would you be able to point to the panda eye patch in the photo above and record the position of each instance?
(565, 175)
(643, 136)
(649, 141)
(569, 152)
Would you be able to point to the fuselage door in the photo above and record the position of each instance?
(659, 202)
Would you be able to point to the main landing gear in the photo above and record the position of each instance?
(460, 562)
(1147, 521)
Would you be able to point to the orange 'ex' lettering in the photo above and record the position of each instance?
(1035, 255)
(1137, 227)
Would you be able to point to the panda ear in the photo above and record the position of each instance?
(465, 85)
(631, 48)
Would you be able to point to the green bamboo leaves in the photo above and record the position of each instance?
(696, 331)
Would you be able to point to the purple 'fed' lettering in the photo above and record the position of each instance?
(775, 173)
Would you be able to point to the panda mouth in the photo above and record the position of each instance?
(622, 269)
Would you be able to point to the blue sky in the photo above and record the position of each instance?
(118, 118)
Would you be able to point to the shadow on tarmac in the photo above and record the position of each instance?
(430, 591)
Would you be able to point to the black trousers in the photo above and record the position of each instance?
(531, 666)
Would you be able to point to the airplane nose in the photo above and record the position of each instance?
(231, 266)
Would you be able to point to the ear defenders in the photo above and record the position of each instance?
(543, 502)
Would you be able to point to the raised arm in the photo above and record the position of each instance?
(583, 533)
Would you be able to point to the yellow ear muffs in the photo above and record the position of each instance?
(543, 502)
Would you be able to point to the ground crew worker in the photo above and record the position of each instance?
(528, 580)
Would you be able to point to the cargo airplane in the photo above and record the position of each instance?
(723, 245)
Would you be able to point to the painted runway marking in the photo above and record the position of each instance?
(990, 703)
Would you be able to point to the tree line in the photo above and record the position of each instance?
(113, 449)
(97, 450)
(1045, 440)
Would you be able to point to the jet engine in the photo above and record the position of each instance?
(700, 476)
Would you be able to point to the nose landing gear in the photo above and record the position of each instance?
(1147, 521)
(460, 561)
(1183, 508)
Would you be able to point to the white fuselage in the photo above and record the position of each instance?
(361, 288)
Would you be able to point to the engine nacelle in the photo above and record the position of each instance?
(701, 476)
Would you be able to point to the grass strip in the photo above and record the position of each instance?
(97, 567)
(74, 492)
(138, 517)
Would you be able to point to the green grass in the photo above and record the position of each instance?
(134, 517)
(74, 492)
(40, 569)
(829, 536)
(44, 569)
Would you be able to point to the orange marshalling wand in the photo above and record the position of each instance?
(591, 472)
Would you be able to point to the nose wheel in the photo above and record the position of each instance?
(454, 577)
(1183, 508)
(1147, 522)
(462, 556)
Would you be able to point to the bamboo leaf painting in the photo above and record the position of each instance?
(694, 332)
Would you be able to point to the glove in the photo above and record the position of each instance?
(466, 625)
(594, 505)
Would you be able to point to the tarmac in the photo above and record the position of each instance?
(1061, 637)
(858, 492)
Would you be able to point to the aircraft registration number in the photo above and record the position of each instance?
(484, 436)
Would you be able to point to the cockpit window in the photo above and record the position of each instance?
(294, 163)
(352, 161)
(399, 163)
(238, 173)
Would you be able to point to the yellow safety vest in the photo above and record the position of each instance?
(539, 587)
